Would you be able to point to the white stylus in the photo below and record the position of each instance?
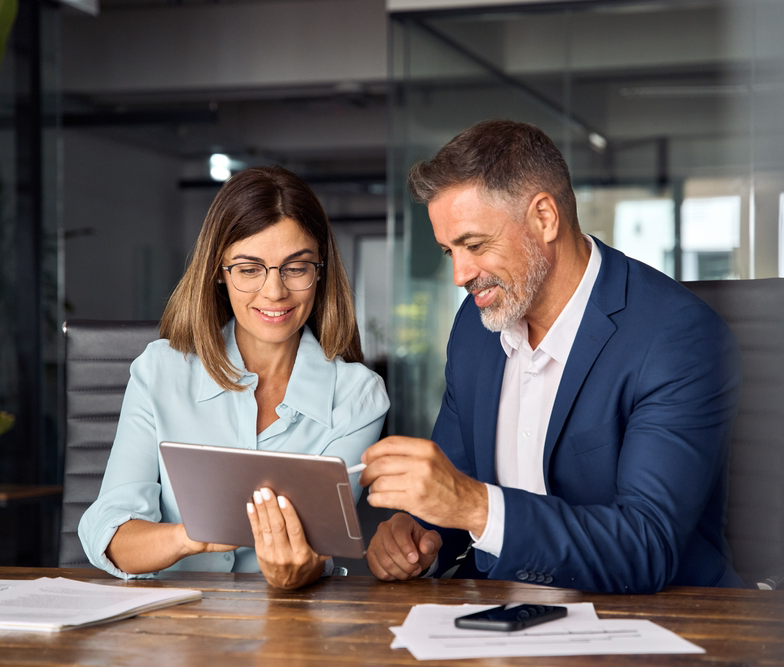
(357, 468)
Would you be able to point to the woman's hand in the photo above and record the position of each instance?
(284, 555)
(141, 546)
(193, 547)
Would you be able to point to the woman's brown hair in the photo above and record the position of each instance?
(248, 203)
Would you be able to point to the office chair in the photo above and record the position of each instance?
(754, 310)
(98, 355)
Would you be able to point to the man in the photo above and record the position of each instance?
(584, 432)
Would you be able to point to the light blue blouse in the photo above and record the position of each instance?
(331, 408)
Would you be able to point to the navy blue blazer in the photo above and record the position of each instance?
(637, 448)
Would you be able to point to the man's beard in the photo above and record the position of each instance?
(516, 300)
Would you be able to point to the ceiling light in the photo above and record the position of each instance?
(597, 141)
(220, 167)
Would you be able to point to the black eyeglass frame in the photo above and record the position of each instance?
(267, 269)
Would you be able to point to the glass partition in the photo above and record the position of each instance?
(668, 113)
(31, 303)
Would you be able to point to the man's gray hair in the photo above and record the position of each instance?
(509, 160)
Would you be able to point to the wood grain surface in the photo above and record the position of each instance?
(346, 620)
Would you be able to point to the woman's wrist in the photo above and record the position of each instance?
(188, 547)
(140, 546)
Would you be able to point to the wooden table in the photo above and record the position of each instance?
(345, 621)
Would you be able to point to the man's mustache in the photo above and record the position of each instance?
(484, 283)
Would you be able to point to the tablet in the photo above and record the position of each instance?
(212, 486)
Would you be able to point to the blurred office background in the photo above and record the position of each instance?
(121, 118)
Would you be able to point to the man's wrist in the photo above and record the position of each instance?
(476, 507)
(491, 540)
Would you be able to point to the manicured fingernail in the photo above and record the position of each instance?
(281, 502)
(257, 497)
(265, 493)
(251, 508)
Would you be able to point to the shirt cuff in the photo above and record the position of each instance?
(96, 530)
(492, 539)
(431, 570)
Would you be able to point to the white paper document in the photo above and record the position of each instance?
(429, 633)
(51, 605)
(7, 583)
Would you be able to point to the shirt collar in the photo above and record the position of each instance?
(210, 388)
(311, 387)
(514, 337)
(557, 343)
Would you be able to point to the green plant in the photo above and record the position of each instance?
(6, 421)
(8, 11)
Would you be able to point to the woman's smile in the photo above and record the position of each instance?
(273, 316)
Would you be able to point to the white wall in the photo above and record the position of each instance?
(289, 79)
(225, 46)
(128, 200)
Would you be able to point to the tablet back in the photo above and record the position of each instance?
(212, 486)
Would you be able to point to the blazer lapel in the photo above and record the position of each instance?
(608, 296)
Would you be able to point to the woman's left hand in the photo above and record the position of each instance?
(284, 555)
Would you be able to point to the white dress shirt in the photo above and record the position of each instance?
(531, 379)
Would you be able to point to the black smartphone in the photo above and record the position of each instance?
(508, 618)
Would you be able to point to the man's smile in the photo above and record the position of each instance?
(486, 296)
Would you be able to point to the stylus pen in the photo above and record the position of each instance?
(357, 468)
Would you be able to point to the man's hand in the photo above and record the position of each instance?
(415, 476)
(401, 548)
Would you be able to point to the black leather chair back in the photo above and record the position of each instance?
(98, 355)
(754, 310)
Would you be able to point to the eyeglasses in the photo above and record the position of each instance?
(296, 276)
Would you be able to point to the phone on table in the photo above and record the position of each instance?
(511, 617)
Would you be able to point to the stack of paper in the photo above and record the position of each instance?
(51, 605)
(429, 633)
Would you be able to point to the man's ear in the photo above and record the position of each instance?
(543, 215)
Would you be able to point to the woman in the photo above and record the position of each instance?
(259, 349)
